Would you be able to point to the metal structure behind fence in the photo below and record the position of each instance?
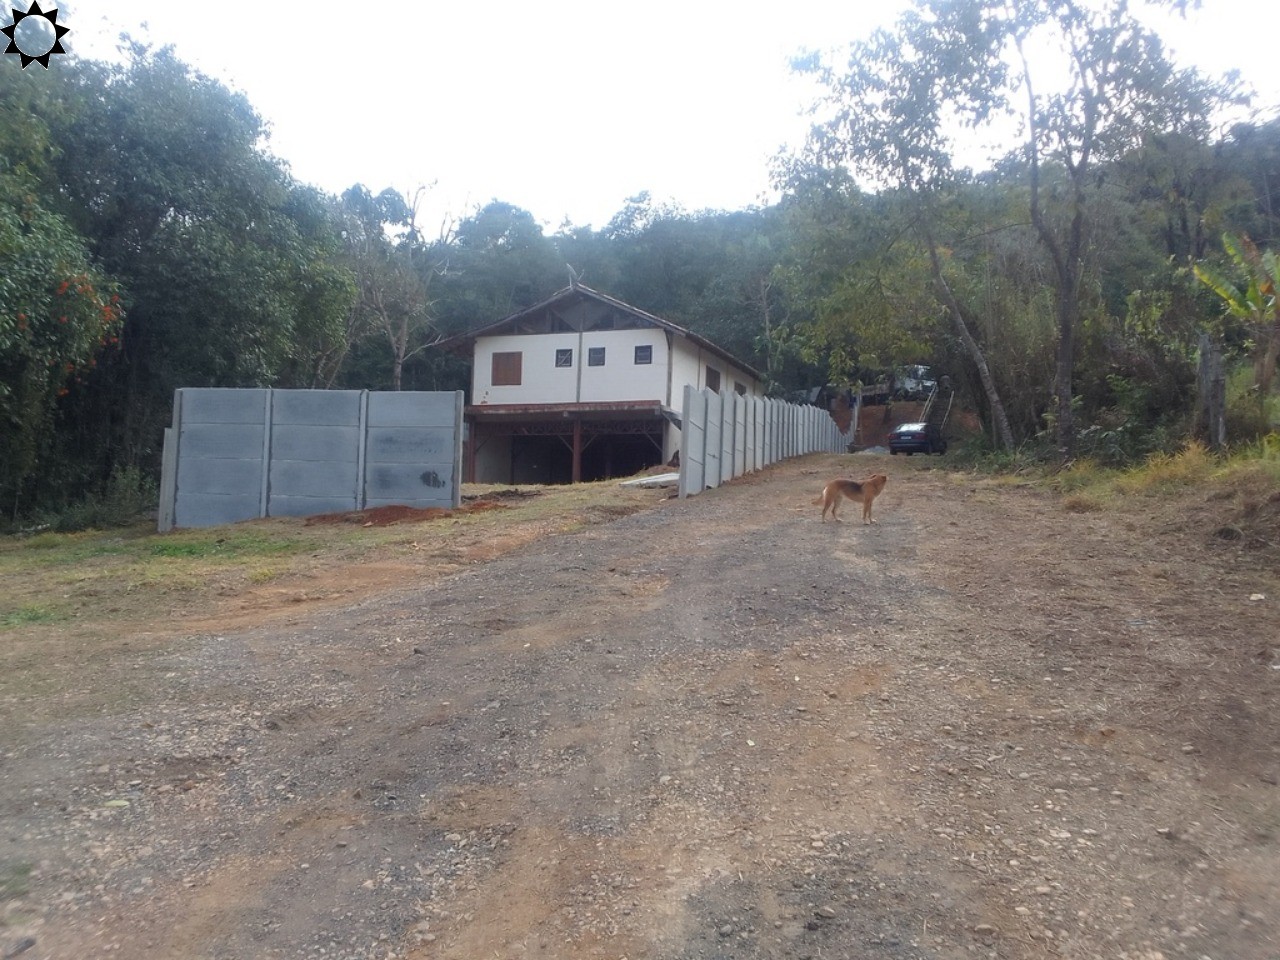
(723, 437)
(237, 454)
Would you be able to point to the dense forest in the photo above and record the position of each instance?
(149, 240)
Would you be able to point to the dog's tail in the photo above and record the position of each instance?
(819, 500)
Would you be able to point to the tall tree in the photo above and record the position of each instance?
(886, 115)
(500, 262)
(163, 170)
(57, 312)
(957, 64)
(1120, 88)
(396, 269)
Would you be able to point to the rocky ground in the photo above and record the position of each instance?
(986, 726)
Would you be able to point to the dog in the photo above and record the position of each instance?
(859, 491)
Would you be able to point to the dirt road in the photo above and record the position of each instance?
(716, 728)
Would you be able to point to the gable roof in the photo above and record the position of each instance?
(575, 295)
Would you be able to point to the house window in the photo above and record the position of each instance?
(713, 379)
(506, 369)
(595, 356)
(739, 388)
(644, 353)
(564, 358)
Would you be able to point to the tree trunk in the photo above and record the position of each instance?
(1266, 369)
(1066, 257)
(1004, 435)
(1213, 390)
(768, 330)
(399, 347)
(1068, 311)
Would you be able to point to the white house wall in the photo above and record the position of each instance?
(541, 381)
(621, 378)
(686, 369)
(690, 368)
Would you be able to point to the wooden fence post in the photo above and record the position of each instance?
(1213, 393)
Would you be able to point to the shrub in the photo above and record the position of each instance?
(1248, 418)
(128, 494)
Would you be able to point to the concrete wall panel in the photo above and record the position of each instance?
(726, 436)
(250, 453)
(318, 407)
(223, 405)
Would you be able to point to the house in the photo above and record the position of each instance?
(584, 387)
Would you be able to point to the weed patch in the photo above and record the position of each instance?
(1076, 503)
(232, 547)
(25, 616)
(15, 880)
(1192, 464)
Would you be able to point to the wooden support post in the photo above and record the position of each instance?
(577, 451)
(469, 455)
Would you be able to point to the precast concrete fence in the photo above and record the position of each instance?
(725, 436)
(236, 454)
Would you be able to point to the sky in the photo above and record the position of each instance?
(561, 107)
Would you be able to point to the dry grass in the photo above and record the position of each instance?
(1232, 500)
(1193, 464)
(63, 580)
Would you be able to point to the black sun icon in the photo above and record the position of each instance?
(41, 58)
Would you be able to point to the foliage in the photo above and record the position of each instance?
(1247, 419)
(57, 312)
(1248, 295)
(150, 182)
(854, 280)
(886, 115)
(396, 269)
(129, 494)
(894, 110)
(229, 268)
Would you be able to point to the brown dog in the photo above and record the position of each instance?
(859, 491)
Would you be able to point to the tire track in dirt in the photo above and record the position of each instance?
(717, 728)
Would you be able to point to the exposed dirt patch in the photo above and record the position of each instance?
(393, 514)
(988, 725)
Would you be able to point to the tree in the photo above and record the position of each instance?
(324, 291)
(885, 117)
(1251, 297)
(218, 251)
(57, 312)
(395, 268)
(500, 262)
(848, 279)
(1121, 87)
(967, 64)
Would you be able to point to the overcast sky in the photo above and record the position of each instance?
(562, 107)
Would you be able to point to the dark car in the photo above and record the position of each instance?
(912, 438)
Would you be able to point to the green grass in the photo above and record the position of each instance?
(51, 549)
(92, 575)
(24, 616)
(14, 880)
(89, 577)
(234, 546)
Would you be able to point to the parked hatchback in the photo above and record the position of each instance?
(912, 438)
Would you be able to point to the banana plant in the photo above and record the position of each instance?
(1248, 293)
